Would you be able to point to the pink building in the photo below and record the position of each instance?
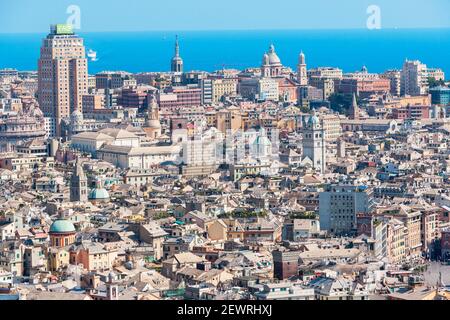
(411, 112)
(363, 86)
(180, 97)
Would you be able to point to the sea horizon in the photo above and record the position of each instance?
(237, 29)
(209, 50)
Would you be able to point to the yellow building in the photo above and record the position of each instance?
(224, 87)
(411, 220)
(234, 229)
(403, 102)
(396, 241)
(57, 258)
(211, 118)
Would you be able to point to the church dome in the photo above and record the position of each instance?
(76, 117)
(98, 194)
(111, 277)
(62, 226)
(262, 141)
(265, 59)
(313, 120)
(273, 57)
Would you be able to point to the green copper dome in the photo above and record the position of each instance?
(62, 226)
(262, 141)
(313, 120)
(98, 194)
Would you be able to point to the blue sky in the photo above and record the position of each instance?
(146, 15)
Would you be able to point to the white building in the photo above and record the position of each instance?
(414, 78)
(264, 89)
(138, 157)
(338, 206)
(314, 145)
(326, 72)
(91, 142)
(436, 73)
(285, 291)
(268, 89)
(50, 126)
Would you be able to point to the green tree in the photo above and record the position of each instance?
(432, 82)
(303, 215)
(161, 215)
(341, 102)
(305, 109)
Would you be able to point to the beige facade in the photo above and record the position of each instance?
(229, 119)
(411, 220)
(332, 126)
(217, 230)
(138, 157)
(91, 102)
(17, 163)
(224, 87)
(94, 256)
(396, 241)
(57, 258)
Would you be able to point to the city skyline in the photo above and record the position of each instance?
(229, 166)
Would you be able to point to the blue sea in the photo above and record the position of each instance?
(378, 50)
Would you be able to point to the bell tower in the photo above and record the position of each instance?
(177, 62)
(301, 70)
(314, 146)
(78, 184)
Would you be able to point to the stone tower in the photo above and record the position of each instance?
(314, 146)
(353, 113)
(341, 148)
(78, 184)
(152, 126)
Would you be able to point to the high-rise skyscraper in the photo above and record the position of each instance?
(78, 184)
(414, 78)
(177, 62)
(314, 146)
(63, 75)
(302, 74)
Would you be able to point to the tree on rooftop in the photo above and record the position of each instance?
(303, 215)
(432, 82)
(161, 215)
